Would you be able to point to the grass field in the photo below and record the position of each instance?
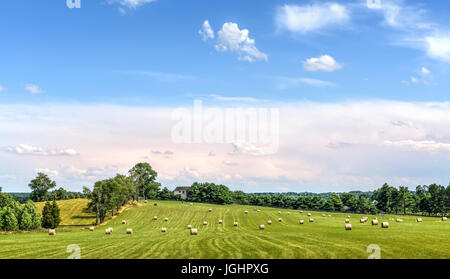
(325, 238)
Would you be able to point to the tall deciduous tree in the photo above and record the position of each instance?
(40, 186)
(143, 177)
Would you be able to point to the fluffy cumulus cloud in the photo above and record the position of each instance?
(206, 31)
(438, 47)
(323, 63)
(34, 89)
(231, 38)
(322, 146)
(308, 18)
(24, 149)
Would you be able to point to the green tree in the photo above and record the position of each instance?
(143, 178)
(26, 221)
(40, 186)
(9, 218)
(56, 215)
(48, 220)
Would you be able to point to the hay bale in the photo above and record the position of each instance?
(302, 222)
(163, 230)
(323, 215)
(258, 210)
(124, 222)
(91, 229)
(111, 229)
(280, 220)
(246, 212)
(155, 217)
(399, 220)
(220, 221)
(108, 231)
(191, 204)
(348, 216)
(279, 212)
(194, 232)
(289, 213)
(235, 224)
(261, 227)
(385, 225)
(329, 215)
(205, 223)
(166, 219)
(155, 204)
(210, 210)
(301, 211)
(309, 214)
(362, 220)
(374, 222)
(269, 222)
(444, 218)
(129, 231)
(419, 220)
(51, 232)
(348, 227)
(189, 227)
(347, 221)
(311, 220)
(254, 209)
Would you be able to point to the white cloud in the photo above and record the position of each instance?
(53, 173)
(206, 32)
(420, 145)
(231, 38)
(287, 82)
(233, 99)
(323, 63)
(24, 149)
(424, 71)
(438, 47)
(308, 18)
(34, 89)
(414, 80)
(131, 4)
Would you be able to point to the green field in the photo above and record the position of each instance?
(326, 238)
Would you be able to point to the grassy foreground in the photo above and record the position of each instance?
(325, 238)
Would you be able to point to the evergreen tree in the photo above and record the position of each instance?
(56, 215)
(25, 222)
(9, 220)
(47, 216)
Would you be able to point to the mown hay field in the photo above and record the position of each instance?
(325, 238)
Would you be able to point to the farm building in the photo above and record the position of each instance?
(182, 191)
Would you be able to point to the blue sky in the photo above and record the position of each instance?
(152, 54)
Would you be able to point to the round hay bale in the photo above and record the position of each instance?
(235, 224)
(246, 212)
(385, 225)
(374, 222)
(323, 215)
(194, 232)
(399, 220)
(51, 232)
(311, 220)
(269, 222)
(280, 220)
(155, 217)
(220, 221)
(419, 220)
(301, 211)
(329, 215)
(210, 210)
(254, 209)
(348, 216)
(348, 227)
(129, 231)
(108, 231)
(91, 229)
(166, 219)
(205, 223)
(259, 210)
(444, 218)
(111, 229)
(163, 229)
(124, 222)
(155, 204)
(289, 213)
(279, 212)
(189, 227)
(302, 222)
(362, 220)
(347, 221)
(261, 227)
(191, 204)
(309, 214)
